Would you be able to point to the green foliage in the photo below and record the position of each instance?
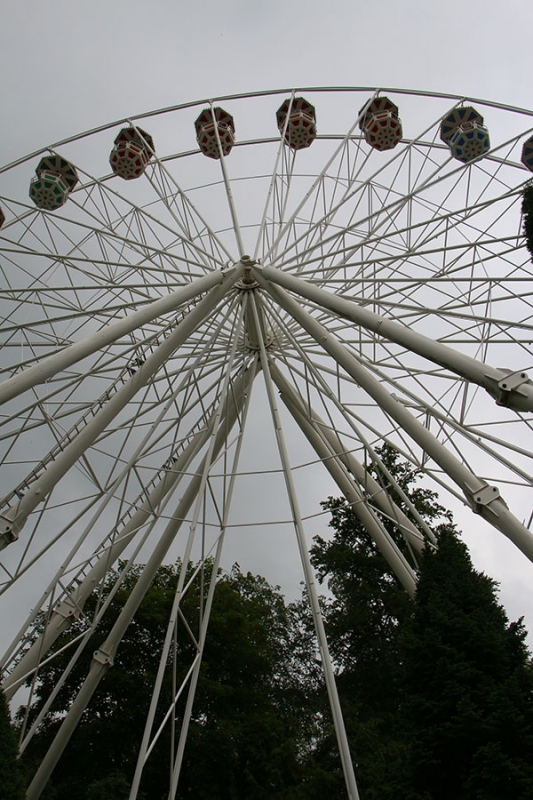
(437, 694)
(468, 686)
(527, 211)
(364, 620)
(369, 606)
(248, 724)
(11, 783)
(113, 787)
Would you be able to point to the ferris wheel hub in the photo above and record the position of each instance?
(247, 281)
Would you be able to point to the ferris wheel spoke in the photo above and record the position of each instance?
(426, 411)
(313, 378)
(394, 207)
(481, 496)
(149, 504)
(227, 183)
(411, 288)
(452, 402)
(66, 358)
(494, 380)
(123, 207)
(330, 450)
(102, 659)
(342, 741)
(348, 173)
(385, 235)
(14, 519)
(278, 190)
(480, 437)
(54, 296)
(191, 677)
(317, 183)
(178, 202)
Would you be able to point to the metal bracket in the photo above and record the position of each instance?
(510, 383)
(103, 658)
(67, 610)
(484, 497)
(9, 530)
(8, 535)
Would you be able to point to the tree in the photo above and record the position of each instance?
(248, 727)
(527, 212)
(11, 782)
(437, 693)
(467, 702)
(364, 620)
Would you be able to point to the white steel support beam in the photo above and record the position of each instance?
(332, 460)
(173, 620)
(70, 608)
(352, 464)
(13, 520)
(50, 366)
(176, 769)
(103, 657)
(346, 138)
(380, 496)
(513, 390)
(338, 721)
(483, 498)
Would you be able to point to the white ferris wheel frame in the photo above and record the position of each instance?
(168, 312)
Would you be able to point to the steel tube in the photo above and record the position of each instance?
(519, 398)
(483, 499)
(50, 366)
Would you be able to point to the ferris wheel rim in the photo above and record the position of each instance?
(265, 93)
(299, 356)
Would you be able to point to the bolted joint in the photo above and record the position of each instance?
(508, 387)
(483, 497)
(67, 610)
(247, 281)
(101, 657)
(9, 528)
(8, 535)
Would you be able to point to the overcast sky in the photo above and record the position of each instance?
(68, 66)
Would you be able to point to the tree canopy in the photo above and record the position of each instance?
(467, 686)
(527, 212)
(11, 780)
(247, 728)
(437, 692)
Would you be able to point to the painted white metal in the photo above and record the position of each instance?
(173, 619)
(72, 605)
(46, 369)
(310, 583)
(349, 459)
(273, 248)
(229, 192)
(103, 658)
(514, 390)
(332, 460)
(318, 227)
(305, 415)
(176, 771)
(484, 499)
(13, 520)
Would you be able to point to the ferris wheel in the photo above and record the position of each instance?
(208, 307)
